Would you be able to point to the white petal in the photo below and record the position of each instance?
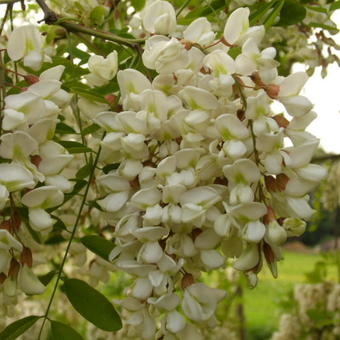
(292, 85)
(114, 202)
(300, 207)
(212, 258)
(198, 98)
(248, 259)
(297, 106)
(175, 322)
(236, 25)
(146, 197)
(254, 231)
(142, 289)
(43, 197)
(251, 211)
(29, 283)
(39, 219)
(230, 127)
(151, 252)
(7, 241)
(15, 177)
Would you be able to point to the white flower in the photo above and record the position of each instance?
(102, 69)
(22, 109)
(29, 283)
(26, 42)
(275, 234)
(220, 63)
(15, 177)
(7, 241)
(200, 301)
(249, 258)
(164, 55)
(175, 322)
(251, 59)
(199, 32)
(38, 200)
(159, 17)
(236, 25)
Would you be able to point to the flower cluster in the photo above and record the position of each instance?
(205, 171)
(321, 298)
(31, 179)
(199, 169)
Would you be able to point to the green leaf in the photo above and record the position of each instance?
(335, 5)
(235, 51)
(292, 13)
(317, 9)
(78, 53)
(261, 10)
(138, 4)
(61, 331)
(107, 168)
(77, 187)
(270, 20)
(98, 245)
(74, 147)
(15, 329)
(90, 129)
(88, 94)
(64, 129)
(323, 26)
(111, 87)
(84, 171)
(92, 305)
(47, 278)
(201, 11)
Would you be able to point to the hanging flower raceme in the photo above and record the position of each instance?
(193, 171)
(204, 173)
(30, 159)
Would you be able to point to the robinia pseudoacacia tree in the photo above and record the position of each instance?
(140, 137)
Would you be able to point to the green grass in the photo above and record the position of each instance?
(262, 304)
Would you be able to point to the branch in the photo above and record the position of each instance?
(51, 18)
(8, 2)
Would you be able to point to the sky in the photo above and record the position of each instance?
(325, 95)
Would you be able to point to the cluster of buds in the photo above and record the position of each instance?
(30, 176)
(207, 171)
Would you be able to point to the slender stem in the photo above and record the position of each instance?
(71, 239)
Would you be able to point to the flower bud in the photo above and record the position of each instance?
(275, 234)
(294, 226)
